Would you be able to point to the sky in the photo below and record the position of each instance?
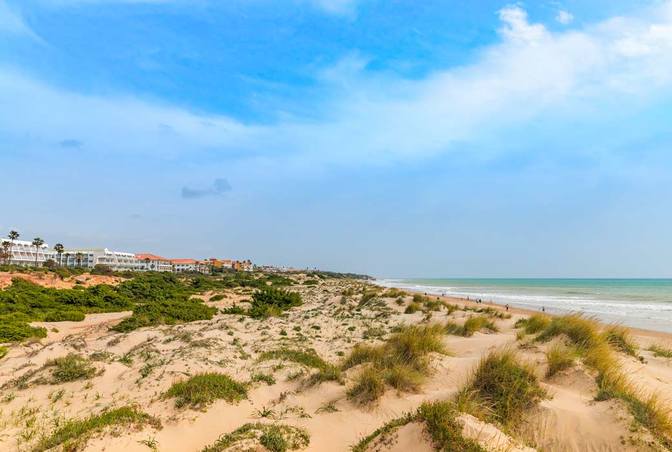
(395, 138)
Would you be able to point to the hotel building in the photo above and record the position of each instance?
(153, 263)
(89, 258)
(24, 253)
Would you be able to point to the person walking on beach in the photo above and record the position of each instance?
(506, 306)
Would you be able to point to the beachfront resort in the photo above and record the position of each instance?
(37, 253)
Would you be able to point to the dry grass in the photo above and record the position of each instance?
(534, 323)
(402, 362)
(559, 357)
(597, 351)
(619, 337)
(503, 387)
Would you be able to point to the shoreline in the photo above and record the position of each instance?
(649, 336)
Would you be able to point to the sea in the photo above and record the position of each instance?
(639, 303)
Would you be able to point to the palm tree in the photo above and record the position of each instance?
(37, 243)
(67, 259)
(79, 257)
(59, 250)
(13, 235)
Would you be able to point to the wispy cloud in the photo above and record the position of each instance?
(12, 23)
(564, 17)
(219, 187)
(378, 117)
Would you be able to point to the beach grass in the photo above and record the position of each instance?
(273, 437)
(71, 367)
(660, 352)
(203, 389)
(402, 362)
(559, 357)
(309, 358)
(504, 387)
(620, 338)
(73, 434)
(440, 422)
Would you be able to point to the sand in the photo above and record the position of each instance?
(138, 367)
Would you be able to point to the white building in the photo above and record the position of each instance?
(24, 253)
(154, 263)
(89, 258)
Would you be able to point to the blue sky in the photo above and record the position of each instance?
(396, 138)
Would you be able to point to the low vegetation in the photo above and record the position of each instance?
(660, 352)
(596, 348)
(440, 422)
(201, 390)
(273, 437)
(470, 326)
(402, 362)
(73, 434)
(502, 388)
(619, 338)
(268, 302)
(70, 368)
(559, 357)
(3, 351)
(308, 358)
(533, 324)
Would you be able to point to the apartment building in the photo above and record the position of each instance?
(25, 253)
(89, 258)
(152, 262)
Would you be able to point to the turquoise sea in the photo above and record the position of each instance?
(640, 303)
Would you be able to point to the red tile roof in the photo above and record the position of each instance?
(182, 261)
(151, 257)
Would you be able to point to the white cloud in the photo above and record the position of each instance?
(531, 73)
(564, 17)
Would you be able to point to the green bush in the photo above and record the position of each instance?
(166, 312)
(274, 437)
(70, 368)
(201, 390)
(269, 302)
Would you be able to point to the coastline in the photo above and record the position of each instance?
(646, 336)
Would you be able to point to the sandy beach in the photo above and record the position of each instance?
(137, 369)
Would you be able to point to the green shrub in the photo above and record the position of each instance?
(217, 297)
(201, 390)
(269, 302)
(582, 331)
(274, 437)
(16, 331)
(70, 368)
(441, 424)
(166, 312)
(78, 431)
(3, 351)
(268, 379)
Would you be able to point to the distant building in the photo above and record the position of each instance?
(184, 265)
(24, 253)
(152, 262)
(89, 258)
(243, 266)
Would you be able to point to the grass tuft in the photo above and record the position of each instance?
(274, 437)
(660, 352)
(619, 337)
(505, 386)
(402, 362)
(308, 358)
(201, 390)
(559, 358)
(78, 431)
(71, 367)
(534, 323)
(440, 421)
